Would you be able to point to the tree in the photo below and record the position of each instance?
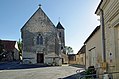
(20, 47)
(69, 50)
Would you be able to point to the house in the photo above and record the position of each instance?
(78, 58)
(94, 49)
(10, 50)
(72, 58)
(108, 10)
(42, 41)
(81, 56)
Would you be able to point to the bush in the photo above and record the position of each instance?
(91, 71)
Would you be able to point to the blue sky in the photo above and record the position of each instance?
(77, 17)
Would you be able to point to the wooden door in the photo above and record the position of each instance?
(40, 58)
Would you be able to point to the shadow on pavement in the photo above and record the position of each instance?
(74, 76)
(17, 65)
(77, 65)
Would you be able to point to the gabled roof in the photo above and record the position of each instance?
(29, 19)
(95, 30)
(98, 6)
(82, 50)
(8, 45)
(59, 26)
(39, 9)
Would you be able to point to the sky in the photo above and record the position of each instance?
(77, 17)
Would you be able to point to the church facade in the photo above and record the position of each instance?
(42, 41)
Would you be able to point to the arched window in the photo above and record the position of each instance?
(39, 40)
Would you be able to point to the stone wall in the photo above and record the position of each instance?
(40, 24)
(111, 26)
(111, 21)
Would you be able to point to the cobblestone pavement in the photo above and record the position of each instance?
(61, 72)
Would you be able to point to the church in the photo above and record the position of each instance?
(43, 42)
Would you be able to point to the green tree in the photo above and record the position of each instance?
(20, 47)
(69, 50)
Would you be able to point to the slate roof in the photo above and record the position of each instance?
(59, 26)
(8, 45)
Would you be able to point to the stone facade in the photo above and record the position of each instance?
(41, 41)
(111, 25)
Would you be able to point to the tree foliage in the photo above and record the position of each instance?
(69, 49)
(20, 47)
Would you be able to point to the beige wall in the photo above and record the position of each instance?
(111, 19)
(111, 22)
(72, 59)
(94, 50)
(64, 58)
(80, 59)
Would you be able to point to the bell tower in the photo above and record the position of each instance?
(61, 29)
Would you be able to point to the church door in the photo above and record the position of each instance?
(40, 58)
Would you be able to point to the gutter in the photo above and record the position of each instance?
(98, 6)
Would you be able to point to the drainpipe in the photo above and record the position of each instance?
(103, 35)
(103, 38)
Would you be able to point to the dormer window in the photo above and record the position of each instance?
(39, 40)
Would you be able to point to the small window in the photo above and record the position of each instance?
(60, 34)
(39, 40)
(61, 48)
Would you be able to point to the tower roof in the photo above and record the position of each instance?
(59, 26)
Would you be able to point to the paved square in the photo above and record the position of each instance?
(39, 73)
